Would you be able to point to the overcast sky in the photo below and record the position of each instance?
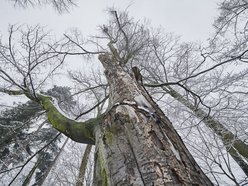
(192, 19)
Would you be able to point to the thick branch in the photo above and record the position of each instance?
(82, 132)
(78, 131)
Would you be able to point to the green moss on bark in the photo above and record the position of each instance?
(101, 172)
(82, 132)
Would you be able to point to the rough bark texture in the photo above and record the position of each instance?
(136, 144)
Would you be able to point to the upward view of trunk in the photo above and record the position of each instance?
(136, 144)
(236, 148)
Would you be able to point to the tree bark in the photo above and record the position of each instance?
(136, 144)
(83, 166)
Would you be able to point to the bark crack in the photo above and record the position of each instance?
(156, 140)
(136, 161)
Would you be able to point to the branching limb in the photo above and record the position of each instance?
(94, 107)
(82, 132)
(239, 57)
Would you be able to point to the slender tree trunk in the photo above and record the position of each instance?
(83, 166)
(136, 143)
(32, 171)
(44, 177)
(236, 147)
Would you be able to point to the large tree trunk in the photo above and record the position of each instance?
(136, 144)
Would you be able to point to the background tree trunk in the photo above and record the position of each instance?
(83, 166)
(236, 147)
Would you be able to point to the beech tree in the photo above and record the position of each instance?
(135, 142)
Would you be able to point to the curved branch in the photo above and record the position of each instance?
(82, 132)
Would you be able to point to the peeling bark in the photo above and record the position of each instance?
(136, 144)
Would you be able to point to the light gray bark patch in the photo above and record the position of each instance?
(137, 143)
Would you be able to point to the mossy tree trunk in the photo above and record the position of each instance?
(136, 144)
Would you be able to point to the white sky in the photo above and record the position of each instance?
(192, 19)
